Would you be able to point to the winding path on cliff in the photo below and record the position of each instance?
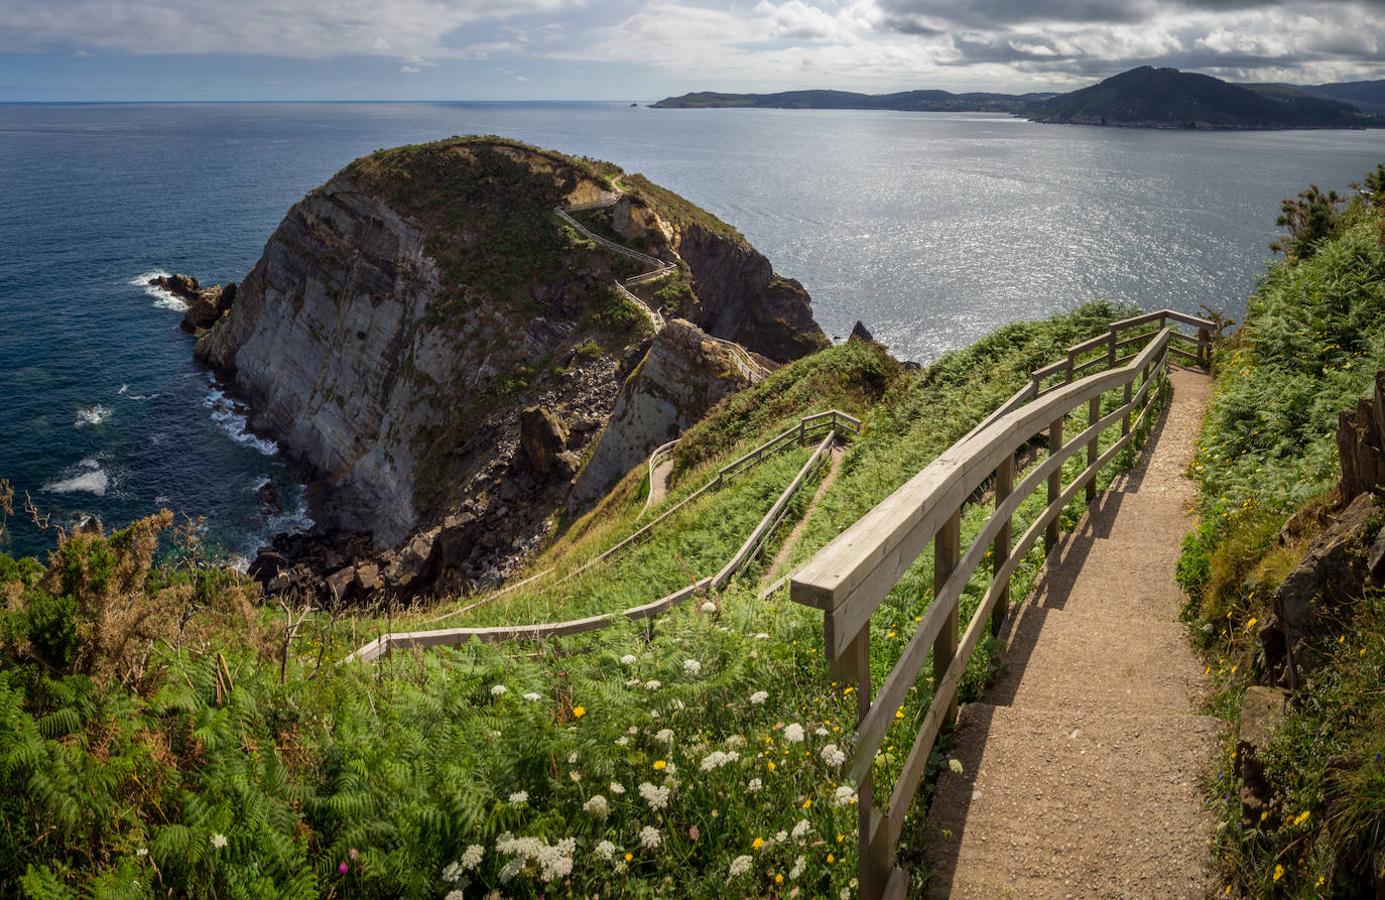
(1080, 766)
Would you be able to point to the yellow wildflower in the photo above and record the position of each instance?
(831, 859)
(629, 856)
(660, 765)
(779, 878)
(1250, 623)
(1302, 817)
(771, 765)
(1278, 872)
(578, 712)
(807, 804)
(757, 843)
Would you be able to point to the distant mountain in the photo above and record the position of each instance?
(908, 101)
(1140, 98)
(1167, 98)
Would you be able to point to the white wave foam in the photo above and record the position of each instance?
(258, 482)
(294, 520)
(91, 415)
(229, 415)
(125, 392)
(90, 479)
(162, 299)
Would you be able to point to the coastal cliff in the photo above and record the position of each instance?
(405, 315)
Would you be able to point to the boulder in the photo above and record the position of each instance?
(368, 577)
(415, 562)
(860, 332)
(340, 583)
(208, 305)
(182, 286)
(542, 438)
(1262, 710)
(1332, 574)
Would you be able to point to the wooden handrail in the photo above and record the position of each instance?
(850, 577)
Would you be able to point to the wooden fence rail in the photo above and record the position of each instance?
(850, 577)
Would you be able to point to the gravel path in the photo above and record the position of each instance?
(1081, 765)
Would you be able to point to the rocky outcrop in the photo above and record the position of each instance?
(205, 305)
(738, 296)
(424, 338)
(1262, 711)
(683, 376)
(860, 332)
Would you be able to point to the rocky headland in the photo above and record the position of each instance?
(446, 358)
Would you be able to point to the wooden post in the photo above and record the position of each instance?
(1111, 350)
(802, 429)
(1093, 445)
(874, 856)
(1204, 348)
(1055, 483)
(947, 551)
(1067, 377)
(1000, 550)
(1036, 387)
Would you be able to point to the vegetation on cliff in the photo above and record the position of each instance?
(1267, 467)
(228, 753)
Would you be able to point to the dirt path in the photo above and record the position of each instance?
(1081, 765)
(658, 483)
(834, 466)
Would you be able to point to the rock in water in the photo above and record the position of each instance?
(208, 305)
(861, 332)
(406, 313)
(182, 286)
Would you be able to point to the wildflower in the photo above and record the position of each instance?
(793, 733)
(820, 731)
(1250, 623)
(955, 765)
(798, 866)
(692, 667)
(709, 607)
(831, 859)
(578, 712)
(343, 868)
(629, 659)
(664, 736)
(754, 786)
(800, 830)
(808, 804)
(572, 758)
(739, 866)
(622, 741)
(471, 857)
(629, 856)
(761, 636)
(735, 740)
(219, 840)
(844, 795)
(759, 697)
(454, 895)
(650, 838)
(653, 684)
(656, 797)
(1278, 872)
(596, 806)
(452, 872)
(832, 755)
(142, 852)
(519, 798)
(779, 878)
(605, 850)
(1301, 817)
(899, 713)
(617, 788)
(660, 765)
(757, 843)
(499, 690)
(771, 766)
(532, 696)
(717, 758)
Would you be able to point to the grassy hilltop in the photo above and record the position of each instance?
(163, 731)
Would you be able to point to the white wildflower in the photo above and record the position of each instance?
(142, 852)
(572, 758)
(664, 736)
(471, 857)
(632, 682)
(718, 758)
(532, 696)
(793, 733)
(556, 861)
(622, 741)
(575, 776)
(653, 684)
(692, 667)
(678, 704)
(820, 731)
(499, 690)
(955, 765)
(832, 755)
(761, 636)
(844, 795)
(735, 740)
(519, 798)
(597, 806)
(454, 895)
(606, 850)
(656, 797)
(709, 607)
(759, 697)
(754, 785)
(740, 865)
(219, 840)
(650, 838)
(629, 659)
(633, 729)
(798, 866)
(617, 788)
(452, 873)
(781, 836)
(801, 830)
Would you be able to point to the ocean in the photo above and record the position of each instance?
(930, 228)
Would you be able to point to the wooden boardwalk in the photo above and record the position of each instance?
(1080, 766)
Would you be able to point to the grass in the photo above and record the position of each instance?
(211, 756)
(1266, 466)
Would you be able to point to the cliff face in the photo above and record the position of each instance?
(682, 377)
(404, 316)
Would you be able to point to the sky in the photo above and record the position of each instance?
(205, 50)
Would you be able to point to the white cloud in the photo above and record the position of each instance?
(304, 28)
(409, 70)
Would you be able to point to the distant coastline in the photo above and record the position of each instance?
(1144, 97)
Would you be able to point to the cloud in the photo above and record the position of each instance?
(304, 29)
(409, 70)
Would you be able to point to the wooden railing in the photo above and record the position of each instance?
(834, 422)
(850, 577)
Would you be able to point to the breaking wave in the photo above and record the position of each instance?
(232, 419)
(162, 299)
